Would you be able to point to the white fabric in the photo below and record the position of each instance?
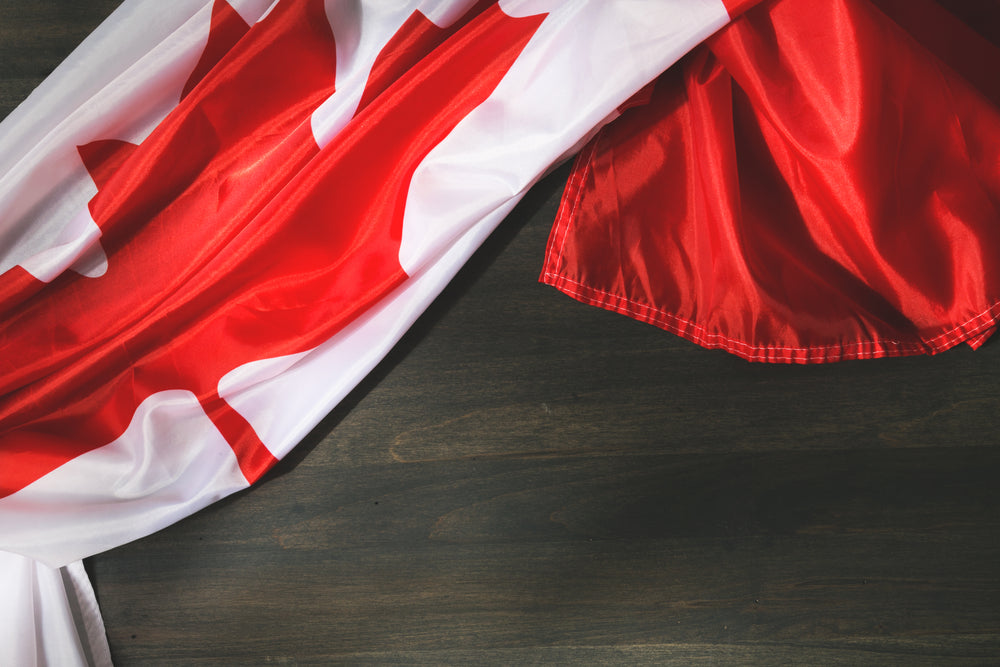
(538, 112)
(148, 478)
(48, 616)
(119, 84)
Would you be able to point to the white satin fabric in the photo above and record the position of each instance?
(49, 616)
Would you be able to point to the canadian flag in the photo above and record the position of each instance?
(216, 218)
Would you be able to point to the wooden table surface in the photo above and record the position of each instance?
(529, 480)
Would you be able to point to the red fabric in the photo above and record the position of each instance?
(815, 183)
(219, 255)
(736, 7)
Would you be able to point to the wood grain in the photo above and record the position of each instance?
(527, 480)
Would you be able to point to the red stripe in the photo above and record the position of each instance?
(254, 458)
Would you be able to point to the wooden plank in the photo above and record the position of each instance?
(885, 552)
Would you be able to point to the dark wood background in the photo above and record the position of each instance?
(529, 480)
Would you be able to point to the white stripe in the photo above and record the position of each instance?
(170, 462)
(49, 616)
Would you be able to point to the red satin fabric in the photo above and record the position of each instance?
(231, 236)
(819, 181)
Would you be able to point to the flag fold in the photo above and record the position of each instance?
(216, 217)
(817, 182)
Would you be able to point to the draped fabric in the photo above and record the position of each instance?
(818, 181)
(198, 257)
(218, 215)
(49, 616)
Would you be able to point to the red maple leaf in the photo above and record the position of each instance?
(230, 235)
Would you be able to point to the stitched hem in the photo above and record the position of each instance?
(974, 331)
(572, 194)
